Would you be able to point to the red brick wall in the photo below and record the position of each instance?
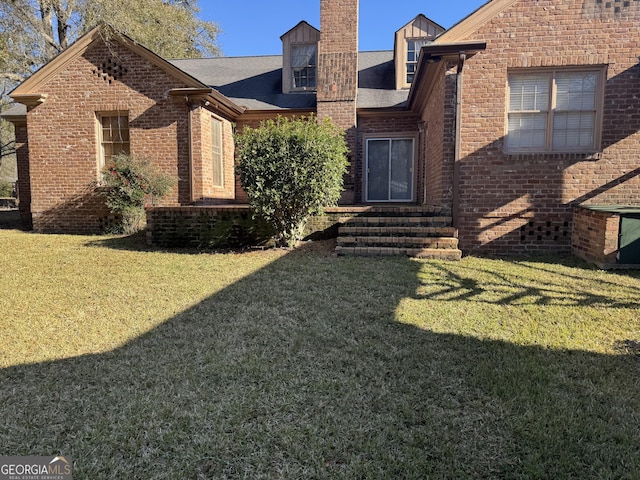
(338, 74)
(595, 236)
(515, 203)
(338, 52)
(439, 153)
(205, 191)
(63, 135)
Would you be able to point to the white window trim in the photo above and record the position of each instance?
(401, 136)
(600, 72)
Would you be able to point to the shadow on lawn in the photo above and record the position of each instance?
(279, 377)
(545, 284)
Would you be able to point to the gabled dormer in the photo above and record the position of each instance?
(300, 58)
(409, 40)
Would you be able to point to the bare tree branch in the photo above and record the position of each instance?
(12, 76)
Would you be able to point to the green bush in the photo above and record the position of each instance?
(6, 189)
(291, 169)
(129, 184)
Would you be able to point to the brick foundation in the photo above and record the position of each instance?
(229, 226)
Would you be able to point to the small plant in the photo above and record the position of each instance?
(130, 183)
(291, 169)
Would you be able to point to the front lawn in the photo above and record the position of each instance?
(145, 364)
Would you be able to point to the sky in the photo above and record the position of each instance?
(267, 20)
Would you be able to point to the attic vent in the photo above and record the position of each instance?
(109, 70)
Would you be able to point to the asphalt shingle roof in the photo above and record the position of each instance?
(256, 82)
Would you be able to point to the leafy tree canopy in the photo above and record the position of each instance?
(32, 32)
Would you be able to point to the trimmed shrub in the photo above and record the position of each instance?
(291, 169)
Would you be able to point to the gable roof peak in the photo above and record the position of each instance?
(423, 17)
(298, 25)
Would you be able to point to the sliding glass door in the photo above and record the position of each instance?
(389, 170)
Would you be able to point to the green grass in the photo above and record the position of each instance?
(146, 364)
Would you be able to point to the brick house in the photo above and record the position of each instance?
(501, 128)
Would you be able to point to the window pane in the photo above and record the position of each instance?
(527, 131)
(573, 130)
(576, 91)
(378, 169)
(401, 169)
(528, 93)
(413, 53)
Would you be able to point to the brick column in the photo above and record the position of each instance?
(337, 81)
(24, 175)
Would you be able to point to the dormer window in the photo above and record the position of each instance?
(413, 53)
(303, 66)
(409, 40)
(300, 58)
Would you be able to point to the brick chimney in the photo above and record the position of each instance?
(337, 81)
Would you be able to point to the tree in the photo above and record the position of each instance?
(291, 169)
(7, 142)
(7, 135)
(32, 32)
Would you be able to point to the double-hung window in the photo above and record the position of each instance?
(303, 66)
(555, 111)
(114, 135)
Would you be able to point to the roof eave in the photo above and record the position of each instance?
(31, 85)
(211, 98)
(474, 20)
(430, 56)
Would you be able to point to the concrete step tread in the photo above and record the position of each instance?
(399, 220)
(391, 209)
(439, 242)
(452, 254)
(397, 231)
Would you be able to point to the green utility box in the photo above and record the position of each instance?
(607, 235)
(629, 242)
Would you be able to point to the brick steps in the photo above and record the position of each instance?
(428, 253)
(352, 231)
(396, 221)
(405, 242)
(416, 231)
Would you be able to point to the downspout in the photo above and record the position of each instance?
(455, 208)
